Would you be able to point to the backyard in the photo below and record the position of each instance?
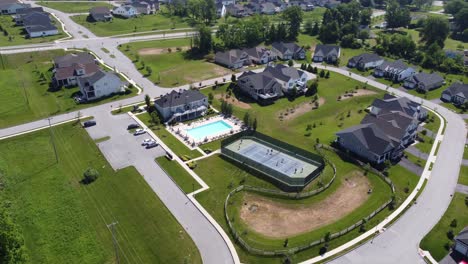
(439, 240)
(65, 221)
(171, 63)
(77, 7)
(26, 96)
(118, 25)
(17, 36)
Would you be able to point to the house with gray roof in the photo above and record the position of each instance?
(181, 105)
(268, 8)
(38, 25)
(457, 93)
(402, 104)
(326, 53)
(232, 59)
(461, 243)
(261, 87)
(288, 77)
(288, 51)
(395, 71)
(260, 55)
(100, 84)
(100, 14)
(237, 10)
(8, 7)
(365, 61)
(22, 12)
(71, 66)
(424, 81)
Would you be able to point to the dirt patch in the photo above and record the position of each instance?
(358, 92)
(279, 220)
(157, 51)
(298, 110)
(233, 100)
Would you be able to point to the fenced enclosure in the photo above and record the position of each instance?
(290, 167)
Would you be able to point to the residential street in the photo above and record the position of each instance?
(399, 244)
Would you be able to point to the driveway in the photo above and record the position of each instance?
(462, 189)
(405, 163)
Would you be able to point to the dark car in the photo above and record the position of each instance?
(89, 123)
(132, 126)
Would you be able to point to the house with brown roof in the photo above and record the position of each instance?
(71, 66)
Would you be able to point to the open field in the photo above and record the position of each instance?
(172, 142)
(142, 23)
(178, 174)
(463, 179)
(171, 68)
(436, 240)
(80, 7)
(64, 221)
(27, 97)
(18, 34)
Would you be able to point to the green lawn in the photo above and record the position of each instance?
(463, 178)
(425, 146)
(465, 154)
(25, 97)
(171, 68)
(73, 7)
(172, 142)
(436, 240)
(64, 221)
(185, 181)
(436, 93)
(18, 35)
(432, 123)
(142, 23)
(415, 159)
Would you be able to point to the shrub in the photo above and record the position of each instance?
(453, 223)
(90, 175)
(450, 234)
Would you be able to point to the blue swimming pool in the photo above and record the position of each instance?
(207, 130)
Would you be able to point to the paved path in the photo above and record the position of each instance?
(416, 152)
(462, 189)
(411, 166)
(436, 101)
(465, 162)
(400, 243)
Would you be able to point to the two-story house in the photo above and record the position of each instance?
(126, 11)
(365, 61)
(261, 87)
(457, 93)
(395, 71)
(424, 81)
(67, 68)
(100, 84)
(260, 55)
(390, 103)
(288, 51)
(181, 105)
(232, 59)
(326, 53)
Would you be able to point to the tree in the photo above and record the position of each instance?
(246, 118)
(202, 40)
(12, 249)
(148, 102)
(210, 98)
(294, 16)
(435, 30)
(396, 15)
(453, 223)
(315, 30)
(322, 73)
(461, 19)
(90, 175)
(327, 75)
(313, 87)
(233, 78)
(290, 63)
(454, 6)
(329, 33)
(155, 118)
(149, 70)
(254, 124)
(308, 27)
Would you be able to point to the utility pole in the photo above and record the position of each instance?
(52, 139)
(114, 240)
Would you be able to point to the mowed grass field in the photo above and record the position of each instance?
(185, 181)
(118, 25)
(435, 241)
(64, 221)
(171, 68)
(26, 97)
(73, 7)
(18, 35)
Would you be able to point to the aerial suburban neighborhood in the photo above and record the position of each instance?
(224, 131)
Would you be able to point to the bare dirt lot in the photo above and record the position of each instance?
(279, 220)
(157, 51)
(291, 113)
(234, 101)
(358, 92)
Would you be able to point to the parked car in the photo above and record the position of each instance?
(139, 132)
(89, 123)
(152, 144)
(132, 126)
(146, 141)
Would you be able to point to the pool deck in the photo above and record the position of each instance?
(273, 158)
(180, 130)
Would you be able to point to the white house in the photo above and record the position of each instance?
(100, 84)
(126, 11)
(8, 7)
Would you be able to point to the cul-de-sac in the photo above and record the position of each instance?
(233, 131)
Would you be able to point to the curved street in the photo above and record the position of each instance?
(398, 244)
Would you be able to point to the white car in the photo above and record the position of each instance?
(152, 144)
(147, 141)
(139, 132)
